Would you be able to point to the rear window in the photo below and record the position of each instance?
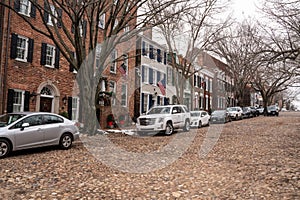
(52, 119)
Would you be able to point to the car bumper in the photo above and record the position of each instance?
(76, 136)
(194, 124)
(151, 128)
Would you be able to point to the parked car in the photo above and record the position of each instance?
(26, 130)
(220, 116)
(273, 110)
(199, 118)
(260, 110)
(255, 111)
(247, 113)
(235, 112)
(164, 119)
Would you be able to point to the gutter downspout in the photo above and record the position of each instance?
(6, 60)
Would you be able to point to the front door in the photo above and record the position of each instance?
(46, 104)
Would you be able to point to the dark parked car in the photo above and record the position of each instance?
(26, 130)
(254, 111)
(247, 113)
(220, 116)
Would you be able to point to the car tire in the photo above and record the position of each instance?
(169, 129)
(208, 123)
(187, 126)
(200, 124)
(65, 141)
(5, 148)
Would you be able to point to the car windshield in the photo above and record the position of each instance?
(195, 114)
(159, 110)
(218, 113)
(7, 119)
(272, 107)
(231, 109)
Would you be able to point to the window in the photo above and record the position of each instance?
(25, 7)
(102, 21)
(18, 101)
(126, 28)
(145, 74)
(34, 120)
(112, 88)
(22, 48)
(145, 98)
(50, 56)
(145, 48)
(52, 119)
(124, 65)
(124, 95)
(113, 57)
(52, 18)
(98, 52)
(116, 22)
(75, 108)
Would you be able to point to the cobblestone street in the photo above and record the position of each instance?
(257, 158)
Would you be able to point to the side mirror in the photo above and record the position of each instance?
(24, 125)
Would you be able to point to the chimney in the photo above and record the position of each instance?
(148, 31)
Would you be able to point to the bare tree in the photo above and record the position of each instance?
(78, 43)
(187, 35)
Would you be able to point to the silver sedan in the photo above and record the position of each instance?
(26, 130)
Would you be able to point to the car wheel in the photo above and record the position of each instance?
(169, 129)
(208, 123)
(186, 125)
(65, 141)
(5, 148)
(200, 124)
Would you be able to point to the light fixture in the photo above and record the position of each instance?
(64, 99)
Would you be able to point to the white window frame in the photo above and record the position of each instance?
(101, 23)
(126, 56)
(146, 49)
(146, 74)
(113, 57)
(75, 109)
(50, 55)
(23, 4)
(145, 103)
(54, 13)
(154, 76)
(20, 48)
(124, 101)
(112, 89)
(20, 103)
(126, 28)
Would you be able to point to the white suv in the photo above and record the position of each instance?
(235, 112)
(164, 119)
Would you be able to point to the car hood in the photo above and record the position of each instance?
(154, 116)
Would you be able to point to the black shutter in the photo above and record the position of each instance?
(84, 28)
(142, 102)
(43, 53)
(17, 5)
(26, 101)
(158, 76)
(165, 58)
(144, 48)
(33, 10)
(46, 10)
(30, 50)
(199, 81)
(150, 75)
(150, 101)
(158, 55)
(59, 17)
(10, 100)
(71, 68)
(13, 46)
(158, 100)
(57, 55)
(70, 108)
(143, 73)
(195, 78)
(151, 54)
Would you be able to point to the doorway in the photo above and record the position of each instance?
(46, 104)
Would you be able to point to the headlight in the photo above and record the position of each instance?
(160, 120)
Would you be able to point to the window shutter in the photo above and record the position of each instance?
(13, 46)
(10, 100)
(199, 81)
(59, 17)
(142, 103)
(71, 68)
(46, 10)
(158, 100)
(57, 54)
(33, 9)
(143, 73)
(30, 50)
(151, 55)
(158, 55)
(150, 101)
(70, 108)
(84, 28)
(164, 82)
(195, 78)
(165, 58)
(43, 53)
(158, 76)
(143, 48)
(150, 75)
(17, 5)
(26, 101)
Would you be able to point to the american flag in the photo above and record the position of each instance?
(161, 87)
(122, 69)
